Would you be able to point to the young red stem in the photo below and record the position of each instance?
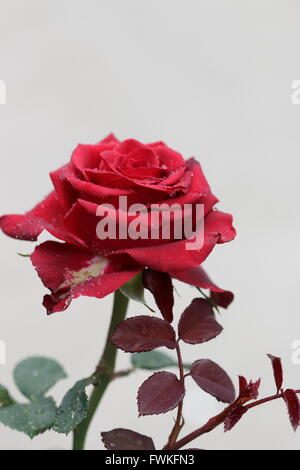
(178, 424)
(265, 400)
(217, 420)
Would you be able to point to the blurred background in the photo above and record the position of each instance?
(212, 78)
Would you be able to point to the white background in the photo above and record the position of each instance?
(213, 80)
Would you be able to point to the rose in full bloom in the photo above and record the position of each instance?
(84, 264)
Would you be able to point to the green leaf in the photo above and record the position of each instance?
(5, 398)
(36, 375)
(134, 290)
(73, 408)
(152, 360)
(32, 419)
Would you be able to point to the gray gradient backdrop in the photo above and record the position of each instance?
(211, 78)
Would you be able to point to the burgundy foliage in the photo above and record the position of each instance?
(143, 333)
(292, 402)
(197, 323)
(125, 439)
(213, 380)
(160, 393)
(248, 391)
(277, 371)
(161, 287)
(164, 391)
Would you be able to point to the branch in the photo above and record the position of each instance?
(122, 373)
(219, 419)
(179, 420)
(104, 371)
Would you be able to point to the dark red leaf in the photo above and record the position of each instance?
(143, 333)
(160, 393)
(248, 391)
(277, 371)
(292, 402)
(233, 417)
(197, 323)
(199, 278)
(160, 285)
(124, 439)
(213, 380)
(242, 384)
(222, 299)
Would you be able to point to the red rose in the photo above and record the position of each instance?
(99, 174)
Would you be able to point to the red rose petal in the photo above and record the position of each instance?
(47, 215)
(174, 256)
(88, 156)
(70, 272)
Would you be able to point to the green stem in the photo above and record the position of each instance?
(104, 371)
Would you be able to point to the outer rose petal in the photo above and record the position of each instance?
(198, 277)
(199, 182)
(82, 221)
(174, 256)
(64, 191)
(47, 215)
(70, 272)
